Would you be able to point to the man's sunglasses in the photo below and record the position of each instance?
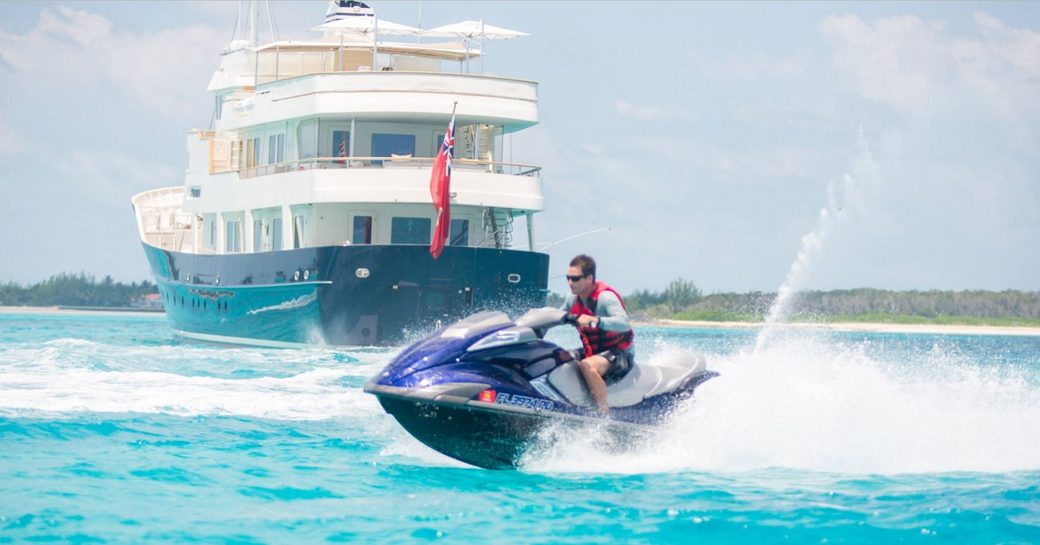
(575, 277)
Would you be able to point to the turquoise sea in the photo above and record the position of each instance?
(112, 432)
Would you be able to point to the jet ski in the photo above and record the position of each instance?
(481, 390)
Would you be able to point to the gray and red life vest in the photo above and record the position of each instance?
(597, 340)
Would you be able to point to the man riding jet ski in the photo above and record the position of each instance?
(598, 312)
(483, 388)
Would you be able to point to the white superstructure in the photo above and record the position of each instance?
(331, 142)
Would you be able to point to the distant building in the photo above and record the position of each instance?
(148, 301)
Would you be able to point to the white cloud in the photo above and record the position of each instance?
(69, 50)
(81, 27)
(919, 67)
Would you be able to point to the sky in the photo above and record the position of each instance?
(740, 146)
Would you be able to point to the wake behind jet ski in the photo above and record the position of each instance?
(483, 388)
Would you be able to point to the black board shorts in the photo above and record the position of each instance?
(620, 361)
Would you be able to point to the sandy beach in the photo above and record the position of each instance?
(848, 326)
(71, 311)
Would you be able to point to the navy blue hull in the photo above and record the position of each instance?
(340, 295)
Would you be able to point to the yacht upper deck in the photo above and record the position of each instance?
(410, 82)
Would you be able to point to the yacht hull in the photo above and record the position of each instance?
(340, 295)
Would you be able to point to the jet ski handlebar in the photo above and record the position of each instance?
(542, 320)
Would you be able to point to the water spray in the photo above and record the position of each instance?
(839, 198)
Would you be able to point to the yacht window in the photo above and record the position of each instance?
(196, 191)
(362, 230)
(258, 231)
(253, 152)
(211, 229)
(410, 231)
(386, 145)
(298, 223)
(275, 148)
(340, 144)
(276, 234)
(234, 234)
(459, 235)
(308, 140)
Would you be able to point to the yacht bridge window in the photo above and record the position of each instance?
(388, 145)
(410, 231)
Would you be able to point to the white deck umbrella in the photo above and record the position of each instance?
(368, 27)
(472, 30)
(478, 31)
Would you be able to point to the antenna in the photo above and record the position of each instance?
(572, 237)
(254, 23)
(418, 24)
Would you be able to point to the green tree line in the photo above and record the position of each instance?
(683, 300)
(74, 290)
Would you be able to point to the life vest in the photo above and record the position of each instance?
(595, 339)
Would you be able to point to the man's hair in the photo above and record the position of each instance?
(586, 264)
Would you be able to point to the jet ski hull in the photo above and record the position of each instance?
(488, 435)
(476, 436)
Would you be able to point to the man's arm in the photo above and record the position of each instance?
(611, 313)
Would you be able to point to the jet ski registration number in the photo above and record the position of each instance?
(523, 401)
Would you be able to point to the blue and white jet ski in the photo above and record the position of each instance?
(483, 388)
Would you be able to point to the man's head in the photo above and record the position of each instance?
(581, 275)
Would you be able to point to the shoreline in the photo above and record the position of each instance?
(849, 327)
(98, 311)
(856, 327)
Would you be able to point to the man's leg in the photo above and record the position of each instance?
(593, 368)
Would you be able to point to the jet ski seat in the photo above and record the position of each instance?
(641, 382)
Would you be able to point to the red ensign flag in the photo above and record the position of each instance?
(440, 182)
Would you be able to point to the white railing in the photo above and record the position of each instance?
(289, 61)
(161, 219)
(225, 155)
(498, 167)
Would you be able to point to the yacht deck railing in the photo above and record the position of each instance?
(396, 162)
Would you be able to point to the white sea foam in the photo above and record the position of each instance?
(92, 377)
(811, 405)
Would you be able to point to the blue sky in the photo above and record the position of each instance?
(890, 145)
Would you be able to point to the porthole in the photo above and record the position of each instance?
(361, 272)
(513, 278)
